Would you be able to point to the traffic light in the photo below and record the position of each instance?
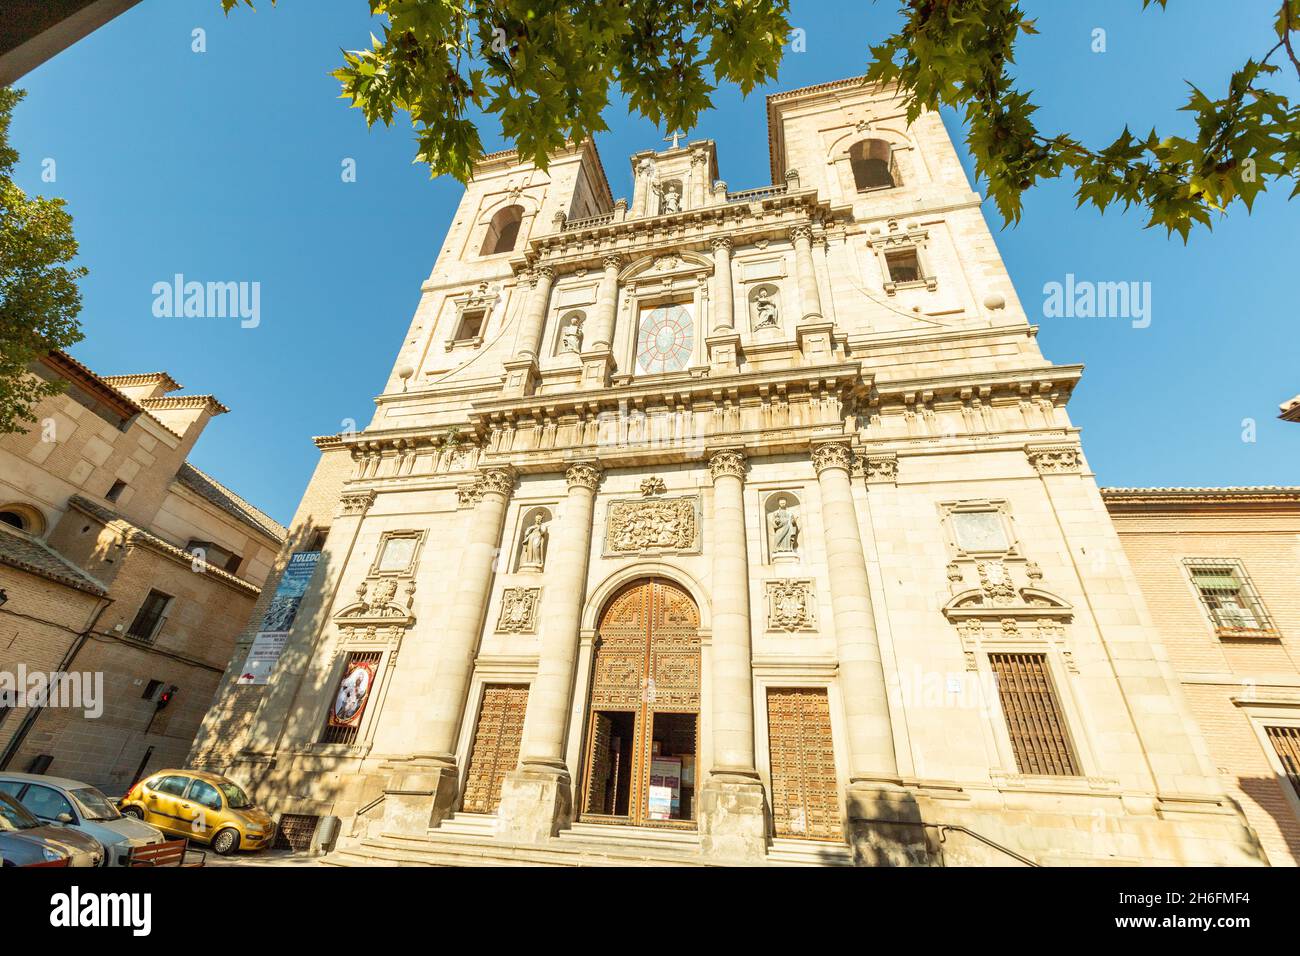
(163, 695)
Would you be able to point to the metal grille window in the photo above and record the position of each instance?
(347, 733)
(1229, 597)
(1286, 741)
(149, 619)
(1034, 718)
(295, 831)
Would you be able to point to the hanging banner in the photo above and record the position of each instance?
(278, 619)
(353, 693)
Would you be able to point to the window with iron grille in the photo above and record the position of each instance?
(294, 831)
(1229, 597)
(1286, 741)
(347, 734)
(1034, 719)
(149, 618)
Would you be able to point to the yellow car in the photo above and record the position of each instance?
(201, 806)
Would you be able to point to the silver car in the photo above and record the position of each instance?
(79, 806)
(25, 840)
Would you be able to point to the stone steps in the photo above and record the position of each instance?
(461, 849)
(785, 852)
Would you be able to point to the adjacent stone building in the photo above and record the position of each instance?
(1219, 569)
(118, 558)
(724, 525)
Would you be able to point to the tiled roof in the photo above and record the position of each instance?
(26, 553)
(213, 491)
(1291, 409)
(1192, 492)
(137, 535)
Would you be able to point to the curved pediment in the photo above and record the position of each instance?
(379, 607)
(1028, 603)
(666, 264)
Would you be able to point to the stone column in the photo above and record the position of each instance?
(723, 296)
(882, 815)
(699, 178)
(530, 333)
(814, 333)
(602, 335)
(423, 792)
(537, 798)
(809, 298)
(723, 343)
(733, 820)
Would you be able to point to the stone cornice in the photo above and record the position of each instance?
(1235, 498)
(692, 229)
(842, 379)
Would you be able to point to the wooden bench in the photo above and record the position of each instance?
(167, 853)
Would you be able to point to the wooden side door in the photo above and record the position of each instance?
(496, 745)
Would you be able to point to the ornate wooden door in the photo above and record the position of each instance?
(647, 663)
(805, 793)
(496, 745)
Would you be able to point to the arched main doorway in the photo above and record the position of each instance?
(644, 710)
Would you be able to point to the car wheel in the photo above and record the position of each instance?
(226, 841)
(133, 812)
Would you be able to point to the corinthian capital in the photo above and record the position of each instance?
(498, 480)
(612, 262)
(583, 474)
(803, 231)
(721, 242)
(832, 455)
(543, 273)
(729, 461)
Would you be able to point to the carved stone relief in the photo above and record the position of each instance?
(655, 525)
(791, 605)
(519, 610)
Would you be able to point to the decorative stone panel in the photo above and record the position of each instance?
(791, 605)
(519, 610)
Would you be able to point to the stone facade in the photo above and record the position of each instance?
(100, 515)
(1236, 648)
(804, 435)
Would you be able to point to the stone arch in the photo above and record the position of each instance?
(603, 593)
(871, 160)
(24, 517)
(503, 230)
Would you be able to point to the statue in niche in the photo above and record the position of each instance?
(783, 526)
(571, 337)
(534, 549)
(672, 201)
(766, 309)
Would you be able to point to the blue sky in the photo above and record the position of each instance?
(225, 165)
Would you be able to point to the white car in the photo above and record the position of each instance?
(79, 806)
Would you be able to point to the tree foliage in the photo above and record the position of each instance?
(39, 298)
(545, 68)
(960, 54)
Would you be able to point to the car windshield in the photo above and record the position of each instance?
(235, 798)
(13, 816)
(94, 805)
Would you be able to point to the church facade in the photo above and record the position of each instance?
(723, 526)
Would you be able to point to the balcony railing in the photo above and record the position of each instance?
(762, 192)
(590, 222)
